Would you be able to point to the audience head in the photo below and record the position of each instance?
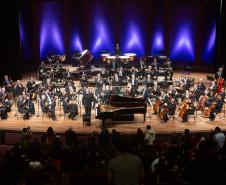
(148, 127)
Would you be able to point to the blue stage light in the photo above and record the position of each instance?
(212, 39)
(101, 39)
(209, 50)
(51, 40)
(77, 44)
(132, 41)
(158, 43)
(183, 48)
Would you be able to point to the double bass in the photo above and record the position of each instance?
(220, 81)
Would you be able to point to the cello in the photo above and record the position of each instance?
(157, 105)
(209, 110)
(163, 111)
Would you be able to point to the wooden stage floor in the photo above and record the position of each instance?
(38, 125)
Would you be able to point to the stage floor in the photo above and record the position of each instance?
(38, 125)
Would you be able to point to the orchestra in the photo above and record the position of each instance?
(55, 88)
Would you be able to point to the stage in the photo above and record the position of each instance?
(37, 124)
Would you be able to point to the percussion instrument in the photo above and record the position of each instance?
(110, 58)
(131, 56)
(62, 58)
(85, 57)
(162, 57)
(123, 58)
(104, 56)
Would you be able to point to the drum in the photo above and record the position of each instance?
(104, 56)
(131, 56)
(85, 57)
(110, 58)
(123, 58)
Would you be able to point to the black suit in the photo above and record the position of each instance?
(87, 101)
(50, 109)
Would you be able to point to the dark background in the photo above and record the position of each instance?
(21, 52)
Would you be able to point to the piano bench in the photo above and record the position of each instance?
(86, 118)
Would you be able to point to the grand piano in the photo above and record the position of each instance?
(120, 106)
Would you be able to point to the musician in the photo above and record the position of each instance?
(3, 103)
(3, 110)
(147, 94)
(218, 108)
(211, 99)
(30, 84)
(166, 97)
(70, 88)
(213, 86)
(219, 73)
(116, 63)
(222, 94)
(168, 69)
(142, 63)
(189, 111)
(148, 81)
(171, 108)
(69, 106)
(18, 89)
(197, 92)
(22, 107)
(133, 71)
(117, 50)
(106, 94)
(172, 91)
(155, 67)
(87, 101)
(134, 85)
(156, 90)
(186, 83)
(8, 83)
(2, 94)
(142, 67)
(121, 73)
(98, 81)
(116, 84)
(48, 105)
(150, 71)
